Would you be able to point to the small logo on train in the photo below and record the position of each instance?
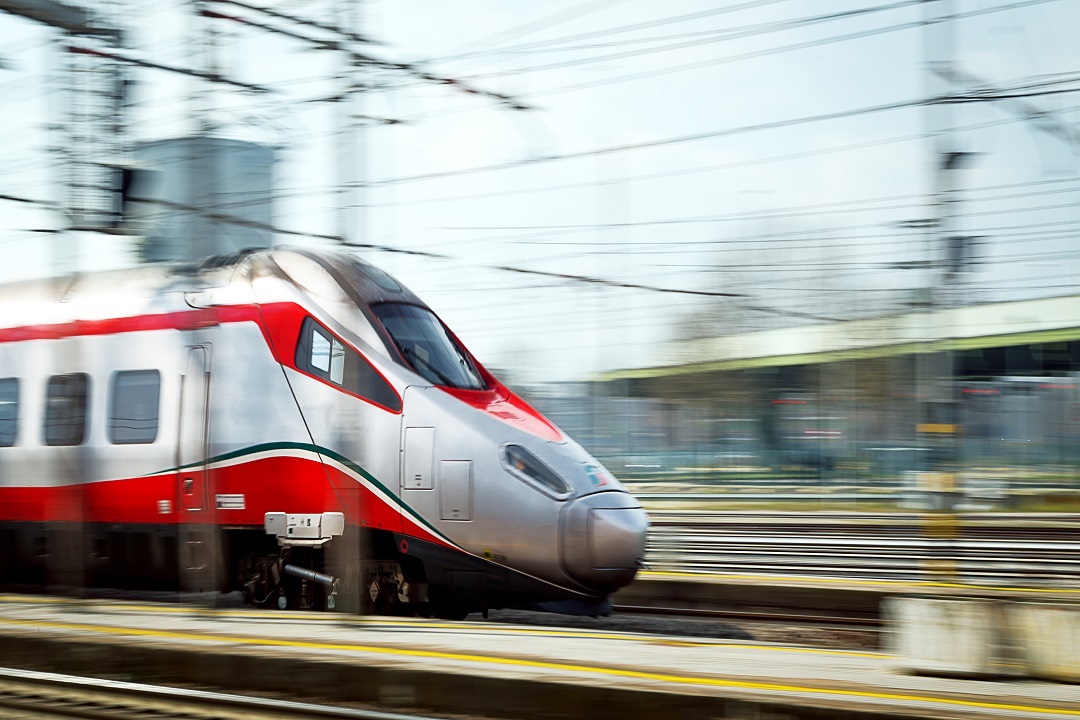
(597, 476)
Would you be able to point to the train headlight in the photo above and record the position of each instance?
(522, 464)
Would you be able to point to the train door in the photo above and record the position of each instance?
(191, 453)
(417, 488)
(438, 489)
(196, 538)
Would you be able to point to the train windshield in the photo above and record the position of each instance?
(427, 346)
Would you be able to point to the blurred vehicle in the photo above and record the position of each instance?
(295, 425)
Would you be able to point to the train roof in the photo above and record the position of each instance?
(160, 287)
(364, 283)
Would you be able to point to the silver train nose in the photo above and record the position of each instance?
(604, 540)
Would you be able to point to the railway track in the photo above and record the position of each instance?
(986, 550)
(38, 695)
(770, 615)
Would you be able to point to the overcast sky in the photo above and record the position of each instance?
(750, 153)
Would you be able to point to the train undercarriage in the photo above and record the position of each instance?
(365, 571)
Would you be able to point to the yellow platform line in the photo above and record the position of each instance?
(422, 624)
(546, 665)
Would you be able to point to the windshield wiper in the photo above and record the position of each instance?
(408, 352)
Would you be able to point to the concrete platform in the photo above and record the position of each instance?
(489, 669)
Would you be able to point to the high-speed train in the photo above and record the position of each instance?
(295, 425)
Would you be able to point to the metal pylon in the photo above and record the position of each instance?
(96, 148)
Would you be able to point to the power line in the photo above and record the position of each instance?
(723, 35)
(625, 28)
(671, 173)
(695, 137)
(707, 168)
(782, 49)
(340, 32)
(366, 59)
(211, 77)
(535, 25)
(585, 279)
(27, 201)
(778, 239)
(233, 220)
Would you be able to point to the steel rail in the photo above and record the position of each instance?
(850, 516)
(995, 551)
(49, 694)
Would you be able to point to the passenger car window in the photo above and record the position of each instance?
(65, 409)
(9, 411)
(133, 407)
(321, 354)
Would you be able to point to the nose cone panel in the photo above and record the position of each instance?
(604, 540)
(616, 537)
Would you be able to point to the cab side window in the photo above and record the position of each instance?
(321, 354)
(9, 411)
(316, 348)
(66, 400)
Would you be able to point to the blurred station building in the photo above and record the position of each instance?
(985, 387)
(201, 196)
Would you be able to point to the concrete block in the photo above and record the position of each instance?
(1049, 638)
(950, 636)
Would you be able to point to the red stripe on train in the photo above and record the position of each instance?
(279, 323)
(273, 484)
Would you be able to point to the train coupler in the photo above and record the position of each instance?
(304, 529)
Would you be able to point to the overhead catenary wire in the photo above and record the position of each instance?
(652, 215)
(298, 20)
(676, 140)
(368, 59)
(783, 49)
(613, 314)
(547, 21)
(208, 76)
(674, 173)
(708, 168)
(798, 211)
(722, 35)
(777, 239)
(654, 23)
(389, 249)
(661, 142)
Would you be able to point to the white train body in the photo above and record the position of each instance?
(152, 420)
